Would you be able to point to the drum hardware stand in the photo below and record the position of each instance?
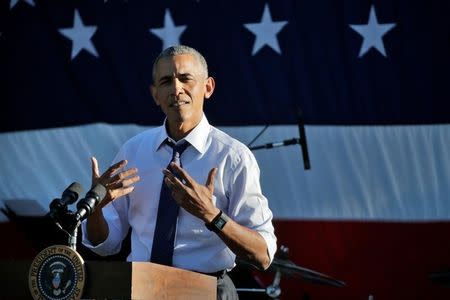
(282, 265)
(273, 290)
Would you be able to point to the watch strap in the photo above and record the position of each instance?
(218, 222)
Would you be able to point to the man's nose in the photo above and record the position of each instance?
(177, 86)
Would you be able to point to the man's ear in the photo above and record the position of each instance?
(210, 85)
(153, 91)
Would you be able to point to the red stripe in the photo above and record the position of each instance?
(15, 244)
(384, 259)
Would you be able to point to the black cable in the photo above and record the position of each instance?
(257, 136)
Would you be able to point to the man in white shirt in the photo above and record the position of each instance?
(221, 212)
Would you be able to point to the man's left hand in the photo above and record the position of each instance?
(192, 196)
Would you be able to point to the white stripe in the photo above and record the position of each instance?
(399, 173)
(40, 164)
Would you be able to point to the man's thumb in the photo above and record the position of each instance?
(95, 172)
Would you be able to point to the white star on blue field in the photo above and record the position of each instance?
(14, 2)
(169, 34)
(372, 33)
(266, 32)
(81, 36)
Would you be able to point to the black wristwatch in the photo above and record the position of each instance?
(218, 222)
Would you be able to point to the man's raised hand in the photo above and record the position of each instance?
(118, 182)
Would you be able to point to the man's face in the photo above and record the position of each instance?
(180, 87)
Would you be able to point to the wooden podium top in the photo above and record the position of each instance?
(170, 283)
(119, 280)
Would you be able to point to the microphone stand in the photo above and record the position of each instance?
(73, 234)
(293, 141)
(67, 222)
(301, 140)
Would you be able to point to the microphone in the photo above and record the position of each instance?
(69, 196)
(294, 141)
(86, 206)
(303, 144)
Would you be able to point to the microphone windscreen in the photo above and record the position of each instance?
(99, 190)
(71, 194)
(75, 188)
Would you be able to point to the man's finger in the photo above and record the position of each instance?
(168, 173)
(169, 182)
(123, 183)
(173, 182)
(114, 168)
(121, 192)
(210, 180)
(123, 175)
(94, 166)
(183, 174)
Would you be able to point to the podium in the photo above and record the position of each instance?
(118, 280)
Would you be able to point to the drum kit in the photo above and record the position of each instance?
(283, 266)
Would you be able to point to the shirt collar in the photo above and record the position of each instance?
(197, 137)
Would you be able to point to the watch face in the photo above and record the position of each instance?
(220, 223)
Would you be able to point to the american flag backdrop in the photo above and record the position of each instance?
(372, 79)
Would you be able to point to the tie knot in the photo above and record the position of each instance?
(178, 149)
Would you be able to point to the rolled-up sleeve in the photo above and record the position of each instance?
(118, 228)
(248, 206)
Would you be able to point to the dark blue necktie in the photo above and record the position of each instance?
(166, 221)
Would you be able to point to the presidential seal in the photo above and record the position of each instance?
(57, 273)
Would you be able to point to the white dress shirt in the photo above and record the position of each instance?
(237, 192)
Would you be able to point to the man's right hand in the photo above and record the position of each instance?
(118, 182)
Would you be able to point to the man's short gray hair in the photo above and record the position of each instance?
(179, 50)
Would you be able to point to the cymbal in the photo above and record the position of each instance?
(288, 268)
(441, 278)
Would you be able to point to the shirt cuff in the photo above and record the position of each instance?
(107, 247)
(271, 242)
